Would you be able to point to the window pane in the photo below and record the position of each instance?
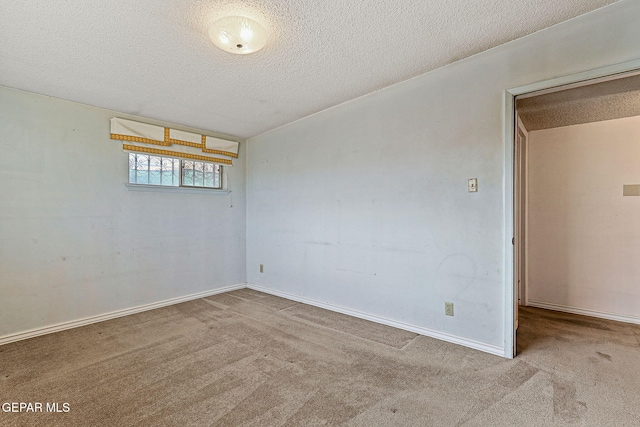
(142, 177)
(153, 170)
(132, 168)
(167, 164)
(167, 175)
(176, 176)
(142, 162)
(166, 178)
(155, 167)
(218, 176)
(155, 162)
(198, 176)
(208, 179)
(187, 176)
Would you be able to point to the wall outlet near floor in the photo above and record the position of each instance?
(448, 308)
(261, 268)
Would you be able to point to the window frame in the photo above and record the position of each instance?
(180, 187)
(181, 164)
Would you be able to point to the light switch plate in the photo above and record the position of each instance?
(473, 185)
(631, 190)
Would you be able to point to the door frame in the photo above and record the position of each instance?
(521, 168)
(509, 113)
(520, 213)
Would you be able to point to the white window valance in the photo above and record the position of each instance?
(146, 138)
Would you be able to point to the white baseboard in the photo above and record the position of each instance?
(487, 348)
(112, 315)
(584, 312)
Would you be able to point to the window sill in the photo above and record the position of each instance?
(160, 189)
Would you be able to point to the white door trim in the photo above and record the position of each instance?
(559, 83)
(522, 232)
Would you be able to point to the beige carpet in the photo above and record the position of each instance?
(249, 359)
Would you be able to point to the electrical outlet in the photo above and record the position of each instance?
(448, 308)
(261, 268)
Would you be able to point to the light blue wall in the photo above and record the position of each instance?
(365, 205)
(75, 243)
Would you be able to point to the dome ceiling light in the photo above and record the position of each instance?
(238, 34)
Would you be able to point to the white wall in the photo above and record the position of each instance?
(584, 243)
(365, 205)
(74, 242)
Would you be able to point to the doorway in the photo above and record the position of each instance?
(516, 168)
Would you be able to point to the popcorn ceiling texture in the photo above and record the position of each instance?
(614, 99)
(154, 58)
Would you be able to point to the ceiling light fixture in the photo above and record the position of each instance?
(238, 34)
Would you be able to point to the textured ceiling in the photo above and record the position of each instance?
(614, 99)
(153, 58)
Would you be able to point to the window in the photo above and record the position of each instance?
(200, 174)
(153, 170)
(146, 169)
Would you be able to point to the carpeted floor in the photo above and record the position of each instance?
(249, 359)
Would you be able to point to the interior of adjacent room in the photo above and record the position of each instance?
(575, 211)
